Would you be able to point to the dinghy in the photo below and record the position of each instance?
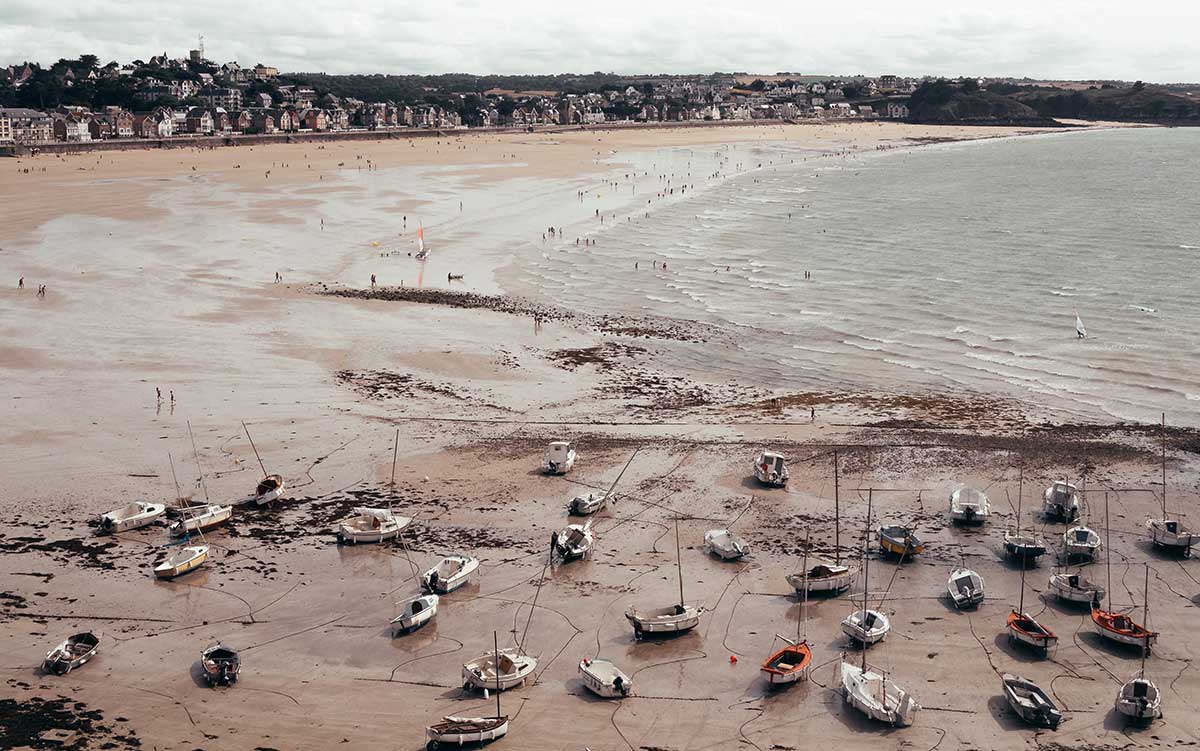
(1061, 502)
(790, 664)
(900, 541)
(1030, 702)
(371, 525)
(871, 692)
(453, 572)
(221, 665)
(1080, 542)
(181, 561)
(1075, 588)
(604, 679)
(969, 506)
(673, 619)
(822, 578)
(133, 516)
(415, 612)
(724, 544)
(454, 732)
(1025, 629)
(498, 671)
(200, 518)
(1122, 629)
(770, 468)
(560, 458)
(583, 505)
(1140, 700)
(866, 627)
(73, 652)
(573, 541)
(965, 588)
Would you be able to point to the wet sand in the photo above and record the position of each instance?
(476, 391)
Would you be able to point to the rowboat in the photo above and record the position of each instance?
(1025, 549)
(71, 653)
(1120, 628)
(560, 458)
(866, 627)
(453, 572)
(135, 515)
(770, 468)
(582, 505)
(603, 678)
(181, 561)
(1080, 542)
(1030, 702)
(573, 541)
(1075, 588)
(1025, 629)
(822, 578)
(1139, 699)
(200, 518)
(969, 506)
(724, 544)
(221, 665)
(789, 664)
(1171, 535)
(371, 525)
(673, 619)
(458, 731)
(1061, 501)
(498, 671)
(415, 612)
(874, 694)
(900, 541)
(965, 588)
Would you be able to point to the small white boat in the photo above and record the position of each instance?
(73, 652)
(181, 561)
(969, 506)
(821, 579)
(900, 541)
(603, 678)
(453, 732)
(415, 612)
(268, 490)
(724, 544)
(135, 515)
(560, 458)
(877, 696)
(583, 505)
(1030, 702)
(574, 541)
(673, 619)
(1076, 588)
(513, 670)
(866, 627)
(1080, 542)
(1172, 535)
(371, 525)
(200, 518)
(965, 588)
(453, 572)
(221, 665)
(1061, 501)
(1026, 549)
(770, 468)
(1139, 700)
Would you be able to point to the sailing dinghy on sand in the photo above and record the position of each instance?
(457, 731)
(1080, 542)
(1119, 627)
(499, 670)
(189, 557)
(1168, 534)
(826, 578)
(866, 626)
(1139, 699)
(1024, 549)
(590, 503)
(790, 664)
(673, 619)
(371, 525)
(1024, 628)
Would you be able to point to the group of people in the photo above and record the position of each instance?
(41, 290)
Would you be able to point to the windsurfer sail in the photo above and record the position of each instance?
(422, 250)
(1080, 331)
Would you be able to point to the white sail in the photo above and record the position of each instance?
(1079, 329)
(422, 251)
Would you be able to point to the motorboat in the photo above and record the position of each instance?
(1122, 629)
(603, 678)
(453, 572)
(1025, 629)
(900, 541)
(1060, 501)
(454, 732)
(498, 671)
(823, 578)
(73, 652)
(724, 544)
(789, 664)
(1080, 542)
(874, 694)
(965, 588)
(770, 468)
(371, 525)
(135, 515)
(415, 612)
(181, 561)
(200, 518)
(588, 503)
(574, 541)
(221, 665)
(560, 458)
(969, 506)
(1139, 700)
(673, 619)
(1171, 535)
(866, 627)
(1026, 549)
(1076, 588)
(1030, 702)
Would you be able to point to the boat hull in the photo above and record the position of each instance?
(1025, 630)
(71, 654)
(113, 522)
(857, 690)
(672, 624)
(604, 680)
(1030, 702)
(458, 732)
(823, 585)
(164, 571)
(202, 523)
(474, 675)
(788, 665)
(856, 632)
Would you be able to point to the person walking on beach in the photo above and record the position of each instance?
(172, 396)
(21, 283)
(158, 393)
(372, 281)
(278, 278)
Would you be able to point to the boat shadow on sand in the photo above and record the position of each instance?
(1092, 640)
(1017, 651)
(1002, 712)
(1115, 722)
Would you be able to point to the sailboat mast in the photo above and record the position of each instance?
(1164, 464)
(1021, 607)
(678, 562)
(866, 571)
(196, 453)
(1146, 617)
(1020, 493)
(496, 644)
(804, 598)
(178, 493)
(1108, 546)
(255, 449)
(395, 453)
(837, 520)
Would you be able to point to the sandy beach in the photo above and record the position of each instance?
(159, 269)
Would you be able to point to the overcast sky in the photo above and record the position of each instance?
(1154, 40)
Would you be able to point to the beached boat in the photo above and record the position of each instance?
(603, 678)
(1030, 702)
(1080, 542)
(135, 515)
(371, 525)
(673, 619)
(1060, 501)
(454, 732)
(1075, 588)
(415, 612)
(268, 490)
(724, 544)
(221, 665)
(573, 541)
(560, 458)
(1139, 700)
(770, 468)
(900, 541)
(498, 671)
(822, 578)
(969, 506)
(866, 627)
(1024, 628)
(871, 692)
(589, 503)
(789, 664)
(965, 588)
(181, 561)
(1171, 535)
(71, 653)
(453, 572)
(1122, 629)
(200, 518)
(1025, 549)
